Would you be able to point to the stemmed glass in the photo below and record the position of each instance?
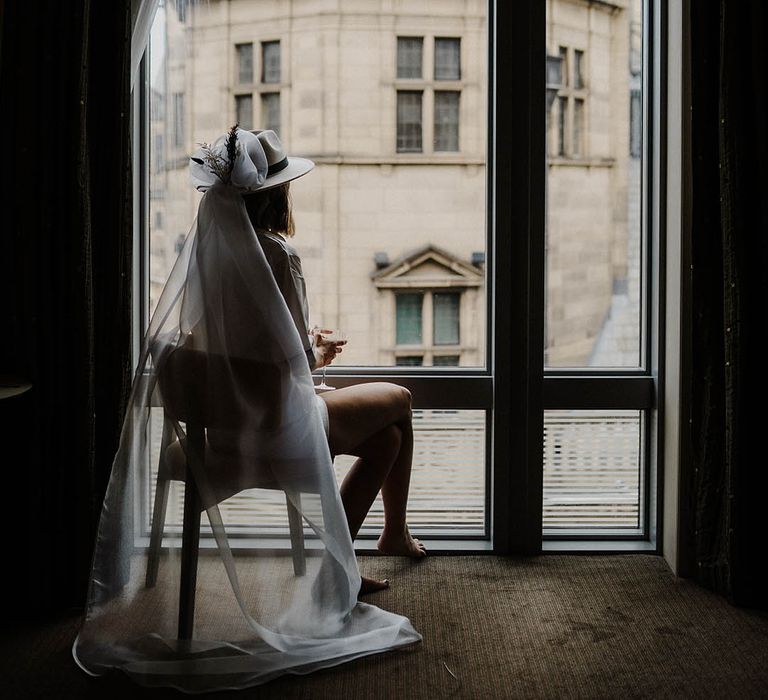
(325, 338)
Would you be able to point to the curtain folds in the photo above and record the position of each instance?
(729, 279)
(65, 283)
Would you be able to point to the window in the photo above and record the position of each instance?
(562, 52)
(447, 59)
(429, 319)
(409, 361)
(244, 111)
(578, 128)
(178, 119)
(270, 111)
(363, 198)
(635, 123)
(566, 87)
(244, 63)
(409, 126)
(270, 62)
(578, 76)
(445, 309)
(181, 9)
(158, 153)
(442, 106)
(597, 450)
(408, 321)
(562, 117)
(446, 121)
(240, 70)
(409, 56)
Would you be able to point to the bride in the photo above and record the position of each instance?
(370, 421)
(225, 365)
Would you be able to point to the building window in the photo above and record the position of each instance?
(409, 124)
(270, 61)
(635, 124)
(445, 361)
(270, 111)
(447, 59)
(562, 114)
(446, 121)
(578, 128)
(181, 9)
(244, 63)
(409, 56)
(158, 153)
(441, 105)
(408, 319)
(562, 52)
(409, 361)
(578, 74)
(445, 315)
(178, 119)
(567, 87)
(244, 111)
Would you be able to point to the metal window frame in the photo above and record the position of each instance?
(640, 388)
(513, 388)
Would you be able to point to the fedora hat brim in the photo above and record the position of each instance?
(296, 168)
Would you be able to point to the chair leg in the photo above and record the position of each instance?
(158, 525)
(296, 528)
(159, 509)
(190, 549)
(190, 538)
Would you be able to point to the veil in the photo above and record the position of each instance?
(222, 351)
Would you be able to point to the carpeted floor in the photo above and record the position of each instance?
(545, 627)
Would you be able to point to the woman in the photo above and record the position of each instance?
(370, 421)
(226, 372)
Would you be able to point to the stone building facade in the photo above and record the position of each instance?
(388, 97)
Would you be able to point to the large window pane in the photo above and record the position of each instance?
(594, 245)
(592, 469)
(447, 482)
(384, 211)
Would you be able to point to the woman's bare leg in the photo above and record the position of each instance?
(395, 538)
(373, 422)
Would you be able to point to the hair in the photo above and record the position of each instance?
(271, 210)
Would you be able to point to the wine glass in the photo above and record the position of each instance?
(336, 336)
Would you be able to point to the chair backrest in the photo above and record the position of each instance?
(220, 393)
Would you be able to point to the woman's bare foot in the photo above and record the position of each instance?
(371, 585)
(401, 544)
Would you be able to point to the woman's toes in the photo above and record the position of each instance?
(371, 585)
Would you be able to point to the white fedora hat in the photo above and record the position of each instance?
(282, 168)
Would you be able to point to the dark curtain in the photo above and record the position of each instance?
(729, 282)
(65, 285)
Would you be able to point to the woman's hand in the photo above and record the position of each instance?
(325, 351)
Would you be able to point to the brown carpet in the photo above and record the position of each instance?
(546, 627)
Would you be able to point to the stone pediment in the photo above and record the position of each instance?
(428, 267)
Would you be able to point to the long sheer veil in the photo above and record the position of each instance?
(222, 351)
